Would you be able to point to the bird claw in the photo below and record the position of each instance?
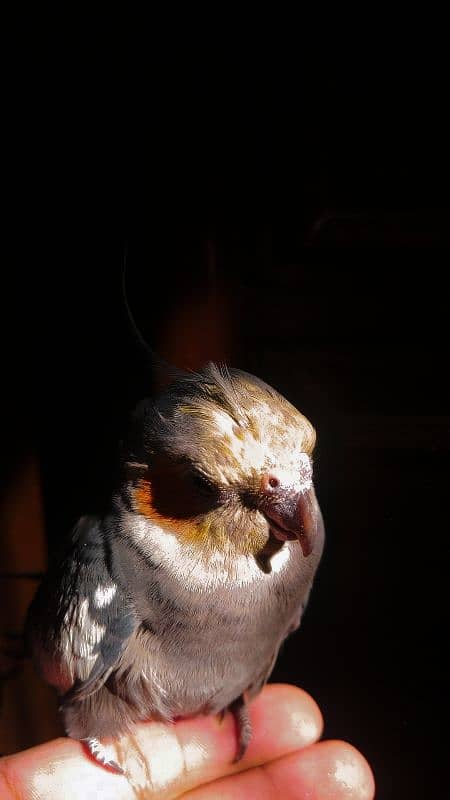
(97, 751)
(241, 716)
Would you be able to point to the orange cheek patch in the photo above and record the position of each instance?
(143, 503)
(142, 496)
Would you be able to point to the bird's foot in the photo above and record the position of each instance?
(239, 709)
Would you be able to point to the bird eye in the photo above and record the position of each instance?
(203, 484)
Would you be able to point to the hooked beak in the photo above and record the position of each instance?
(293, 516)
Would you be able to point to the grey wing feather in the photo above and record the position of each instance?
(80, 620)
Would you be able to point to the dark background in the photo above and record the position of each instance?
(291, 216)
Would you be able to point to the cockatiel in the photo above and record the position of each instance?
(176, 602)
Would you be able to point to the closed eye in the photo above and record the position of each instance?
(180, 491)
(204, 485)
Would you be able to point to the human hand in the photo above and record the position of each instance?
(193, 759)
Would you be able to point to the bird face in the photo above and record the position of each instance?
(228, 465)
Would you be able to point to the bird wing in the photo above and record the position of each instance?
(80, 620)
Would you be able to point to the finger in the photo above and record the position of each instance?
(325, 771)
(283, 720)
(170, 759)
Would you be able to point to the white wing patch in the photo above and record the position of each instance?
(104, 595)
(80, 634)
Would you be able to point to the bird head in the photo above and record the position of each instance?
(224, 461)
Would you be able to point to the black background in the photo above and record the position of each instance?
(322, 190)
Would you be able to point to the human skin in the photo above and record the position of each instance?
(193, 759)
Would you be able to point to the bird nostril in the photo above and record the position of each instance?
(269, 483)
